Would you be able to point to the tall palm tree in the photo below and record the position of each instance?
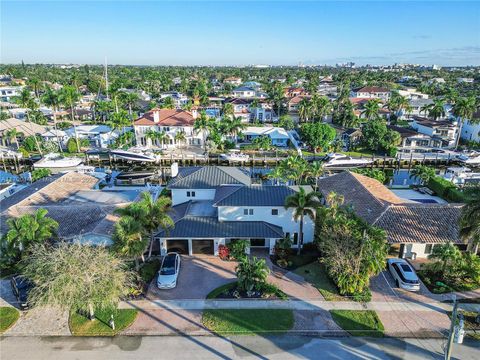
(69, 96)
(372, 108)
(130, 99)
(470, 220)
(315, 171)
(228, 109)
(436, 109)
(202, 124)
(25, 100)
(51, 98)
(156, 136)
(322, 106)
(180, 138)
(305, 109)
(233, 126)
(463, 109)
(156, 215)
(128, 239)
(12, 136)
(303, 204)
(422, 172)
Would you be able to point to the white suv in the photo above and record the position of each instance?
(404, 275)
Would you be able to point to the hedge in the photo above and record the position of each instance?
(446, 189)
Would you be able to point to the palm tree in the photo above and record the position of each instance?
(156, 215)
(315, 171)
(322, 105)
(470, 220)
(158, 136)
(251, 274)
(202, 124)
(69, 96)
(129, 99)
(51, 98)
(233, 126)
(303, 204)
(228, 109)
(422, 172)
(446, 254)
(372, 108)
(180, 138)
(25, 100)
(12, 136)
(128, 239)
(304, 109)
(464, 108)
(435, 109)
(30, 228)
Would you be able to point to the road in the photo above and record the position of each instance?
(240, 347)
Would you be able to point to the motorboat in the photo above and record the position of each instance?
(136, 178)
(134, 156)
(340, 160)
(235, 156)
(472, 158)
(461, 175)
(57, 162)
(91, 170)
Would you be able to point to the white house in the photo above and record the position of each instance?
(444, 130)
(170, 122)
(277, 135)
(470, 130)
(98, 135)
(236, 81)
(178, 98)
(214, 205)
(7, 92)
(371, 92)
(416, 106)
(244, 92)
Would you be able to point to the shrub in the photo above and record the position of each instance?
(237, 248)
(252, 274)
(148, 270)
(38, 174)
(282, 248)
(446, 189)
(223, 252)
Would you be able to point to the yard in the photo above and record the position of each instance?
(315, 274)
(248, 321)
(359, 322)
(8, 317)
(80, 325)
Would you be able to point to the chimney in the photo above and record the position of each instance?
(156, 116)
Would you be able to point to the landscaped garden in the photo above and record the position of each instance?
(8, 317)
(359, 322)
(471, 326)
(81, 325)
(248, 321)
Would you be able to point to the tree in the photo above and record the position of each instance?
(77, 277)
(322, 106)
(12, 135)
(353, 251)
(51, 98)
(446, 254)
(130, 99)
(305, 109)
(128, 239)
(276, 95)
(303, 204)
(470, 220)
(372, 108)
(156, 136)
(68, 96)
(262, 142)
(286, 122)
(180, 138)
(436, 109)
(464, 108)
(25, 100)
(377, 137)
(376, 174)
(251, 274)
(168, 103)
(315, 171)
(422, 172)
(228, 110)
(202, 124)
(318, 135)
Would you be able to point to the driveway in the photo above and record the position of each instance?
(198, 277)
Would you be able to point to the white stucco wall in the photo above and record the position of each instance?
(418, 249)
(471, 132)
(180, 195)
(263, 213)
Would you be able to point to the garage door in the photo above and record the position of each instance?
(205, 247)
(178, 246)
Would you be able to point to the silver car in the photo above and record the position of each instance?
(404, 275)
(168, 273)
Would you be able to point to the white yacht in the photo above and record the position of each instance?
(134, 156)
(340, 160)
(461, 175)
(57, 163)
(472, 158)
(235, 156)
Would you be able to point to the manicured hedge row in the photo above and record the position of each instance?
(446, 189)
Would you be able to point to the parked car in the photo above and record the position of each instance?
(21, 287)
(168, 273)
(404, 275)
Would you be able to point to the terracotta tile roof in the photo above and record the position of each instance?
(404, 222)
(166, 117)
(297, 99)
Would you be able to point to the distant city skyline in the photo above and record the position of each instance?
(241, 33)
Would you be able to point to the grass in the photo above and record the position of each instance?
(359, 322)
(471, 327)
(8, 317)
(149, 270)
(301, 260)
(220, 290)
(248, 321)
(80, 325)
(316, 275)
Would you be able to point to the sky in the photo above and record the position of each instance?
(446, 33)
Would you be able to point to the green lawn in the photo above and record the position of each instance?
(248, 321)
(82, 326)
(8, 317)
(302, 259)
(316, 275)
(358, 322)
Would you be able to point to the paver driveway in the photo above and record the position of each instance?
(198, 276)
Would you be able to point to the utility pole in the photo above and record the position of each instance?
(448, 350)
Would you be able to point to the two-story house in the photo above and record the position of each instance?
(371, 92)
(214, 205)
(443, 130)
(244, 92)
(170, 122)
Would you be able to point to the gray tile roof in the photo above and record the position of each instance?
(210, 177)
(209, 227)
(257, 195)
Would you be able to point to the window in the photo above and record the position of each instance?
(250, 212)
(274, 211)
(295, 238)
(247, 211)
(428, 248)
(287, 235)
(193, 193)
(188, 193)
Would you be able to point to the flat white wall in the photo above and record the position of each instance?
(264, 213)
(471, 132)
(419, 249)
(180, 195)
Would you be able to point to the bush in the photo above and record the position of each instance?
(149, 270)
(223, 252)
(446, 189)
(38, 174)
(237, 248)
